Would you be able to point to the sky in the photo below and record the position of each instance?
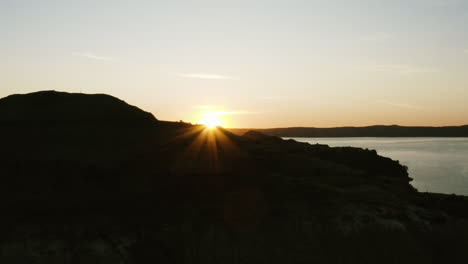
(251, 64)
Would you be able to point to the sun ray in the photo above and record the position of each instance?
(206, 151)
(211, 118)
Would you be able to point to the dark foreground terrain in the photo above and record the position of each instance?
(90, 179)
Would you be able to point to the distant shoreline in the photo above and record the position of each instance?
(368, 131)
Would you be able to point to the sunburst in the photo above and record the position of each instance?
(211, 119)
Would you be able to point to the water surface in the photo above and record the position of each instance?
(435, 164)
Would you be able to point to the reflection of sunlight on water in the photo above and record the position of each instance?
(435, 164)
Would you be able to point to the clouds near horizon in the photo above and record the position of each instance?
(205, 76)
(402, 105)
(93, 56)
(404, 69)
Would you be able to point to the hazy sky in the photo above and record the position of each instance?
(258, 63)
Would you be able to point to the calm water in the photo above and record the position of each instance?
(435, 164)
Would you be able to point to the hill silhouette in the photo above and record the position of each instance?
(59, 107)
(369, 131)
(74, 188)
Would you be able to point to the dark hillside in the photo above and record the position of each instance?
(77, 190)
(58, 107)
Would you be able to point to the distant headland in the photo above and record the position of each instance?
(368, 131)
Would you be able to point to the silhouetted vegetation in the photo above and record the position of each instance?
(149, 191)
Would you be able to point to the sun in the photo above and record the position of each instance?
(211, 119)
(211, 122)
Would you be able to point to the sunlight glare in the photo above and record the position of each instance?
(211, 119)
